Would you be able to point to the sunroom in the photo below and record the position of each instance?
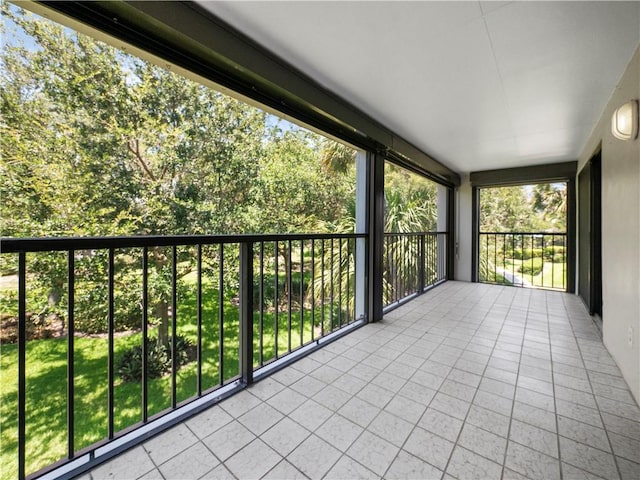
(383, 341)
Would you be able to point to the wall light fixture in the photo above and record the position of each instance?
(624, 123)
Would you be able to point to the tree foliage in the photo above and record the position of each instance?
(530, 208)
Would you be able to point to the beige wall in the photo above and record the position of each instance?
(620, 231)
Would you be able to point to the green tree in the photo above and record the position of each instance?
(97, 142)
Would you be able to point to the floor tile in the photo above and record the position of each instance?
(441, 424)
(253, 461)
(466, 465)
(452, 406)
(588, 458)
(534, 437)
(209, 421)
(488, 420)
(628, 470)
(266, 388)
(308, 386)
(260, 418)
(310, 415)
(391, 428)
(578, 412)
(219, 473)
(359, 411)
(193, 462)
(625, 447)
(621, 425)
(583, 433)
(483, 443)
(169, 443)
(374, 452)
(533, 464)
(347, 468)
(339, 432)
(131, 464)
(458, 390)
(493, 402)
(405, 408)
(314, 457)
(375, 395)
(284, 470)
(228, 440)
(535, 399)
(569, 472)
(287, 400)
(407, 466)
(285, 436)
(240, 403)
(429, 447)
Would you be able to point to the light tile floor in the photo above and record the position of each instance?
(467, 381)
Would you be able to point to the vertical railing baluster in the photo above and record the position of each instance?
(322, 266)
(495, 254)
(333, 271)
(513, 257)
(553, 265)
(261, 316)
(487, 258)
(340, 240)
(199, 318)
(22, 357)
(289, 274)
(542, 271)
(531, 274)
(174, 318)
(522, 255)
(313, 286)
(70, 354)
(275, 299)
(422, 259)
(348, 281)
(221, 314)
(396, 268)
(301, 292)
(110, 330)
(145, 324)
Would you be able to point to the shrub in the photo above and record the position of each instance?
(129, 363)
(532, 268)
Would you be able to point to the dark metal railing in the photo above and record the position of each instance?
(413, 262)
(244, 303)
(523, 259)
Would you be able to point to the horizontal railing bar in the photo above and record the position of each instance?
(411, 234)
(524, 233)
(15, 245)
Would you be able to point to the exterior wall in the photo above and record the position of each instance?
(620, 231)
(463, 207)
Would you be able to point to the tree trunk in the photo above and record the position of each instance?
(161, 307)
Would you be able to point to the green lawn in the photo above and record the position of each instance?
(46, 379)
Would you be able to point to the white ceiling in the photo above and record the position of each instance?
(477, 85)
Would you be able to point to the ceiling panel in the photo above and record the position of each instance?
(478, 85)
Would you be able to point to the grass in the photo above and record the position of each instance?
(535, 271)
(46, 375)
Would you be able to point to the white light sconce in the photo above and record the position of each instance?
(624, 123)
